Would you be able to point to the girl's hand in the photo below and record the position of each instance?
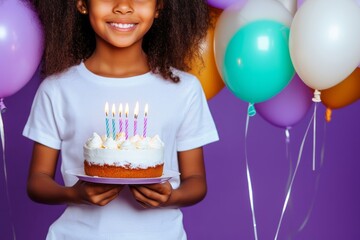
(97, 194)
(152, 195)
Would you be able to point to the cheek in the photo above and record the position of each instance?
(94, 24)
(95, 18)
(146, 11)
(147, 16)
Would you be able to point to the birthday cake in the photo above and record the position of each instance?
(117, 155)
(135, 157)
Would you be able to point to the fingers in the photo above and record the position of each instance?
(144, 200)
(154, 195)
(103, 198)
(148, 196)
(97, 194)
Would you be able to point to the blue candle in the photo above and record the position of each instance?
(113, 121)
(107, 119)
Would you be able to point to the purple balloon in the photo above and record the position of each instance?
(222, 4)
(299, 3)
(21, 45)
(289, 106)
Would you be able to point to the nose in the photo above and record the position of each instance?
(123, 7)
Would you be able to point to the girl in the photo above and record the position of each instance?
(119, 51)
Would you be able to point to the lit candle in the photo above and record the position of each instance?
(145, 119)
(120, 118)
(113, 121)
(136, 113)
(107, 119)
(126, 121)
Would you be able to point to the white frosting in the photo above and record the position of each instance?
(127, 145)
(135, 152)
(135, 138)
(95, 141)
(110, 144)
(120, 138)
(143, 144)
(156, 142)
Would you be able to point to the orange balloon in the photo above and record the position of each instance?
(205, 68)
(342, 94)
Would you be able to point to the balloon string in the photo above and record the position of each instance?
(293, 178)
(288, 156)
(251, 197)
(2, 136)
(314, 138)
(317, 183)
(322, 156)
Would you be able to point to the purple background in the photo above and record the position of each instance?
(324, 204)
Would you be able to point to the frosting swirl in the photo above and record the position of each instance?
(110, 144)
(95, 141)
(127, 145)
(155, 142)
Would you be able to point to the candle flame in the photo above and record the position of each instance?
(136, 110)
(120, 109)
(146, 109)
(106, 109)
(126, 110)
(113, 110)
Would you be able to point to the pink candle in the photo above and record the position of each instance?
(136, 113)
(120, 118)
(126, 121)
(145, 119)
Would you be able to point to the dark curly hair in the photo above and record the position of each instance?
(173, 40)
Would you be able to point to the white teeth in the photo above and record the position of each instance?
(122, 25)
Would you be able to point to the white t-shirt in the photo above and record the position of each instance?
(69, 107)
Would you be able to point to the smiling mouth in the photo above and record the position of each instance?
(123, 26)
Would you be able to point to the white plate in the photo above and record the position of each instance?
(79, 172)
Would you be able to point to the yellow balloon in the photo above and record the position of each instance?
(205, 69)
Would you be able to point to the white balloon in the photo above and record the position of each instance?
(325, 41)
(290, 5)
(237, 15)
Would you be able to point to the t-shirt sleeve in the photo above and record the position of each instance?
(41, 125)
(198, 127)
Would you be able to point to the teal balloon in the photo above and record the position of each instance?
(257, 63)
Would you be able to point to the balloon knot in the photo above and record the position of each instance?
(287, 134)
(251, 110)
(2, 106)
(316, 97)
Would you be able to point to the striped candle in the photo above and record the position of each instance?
(113, 122)
(145, 120)
(126, 121)
(107, 119)
(120, 118)
(136, 113)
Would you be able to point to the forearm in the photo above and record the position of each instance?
(42, 188)
(191, 191)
